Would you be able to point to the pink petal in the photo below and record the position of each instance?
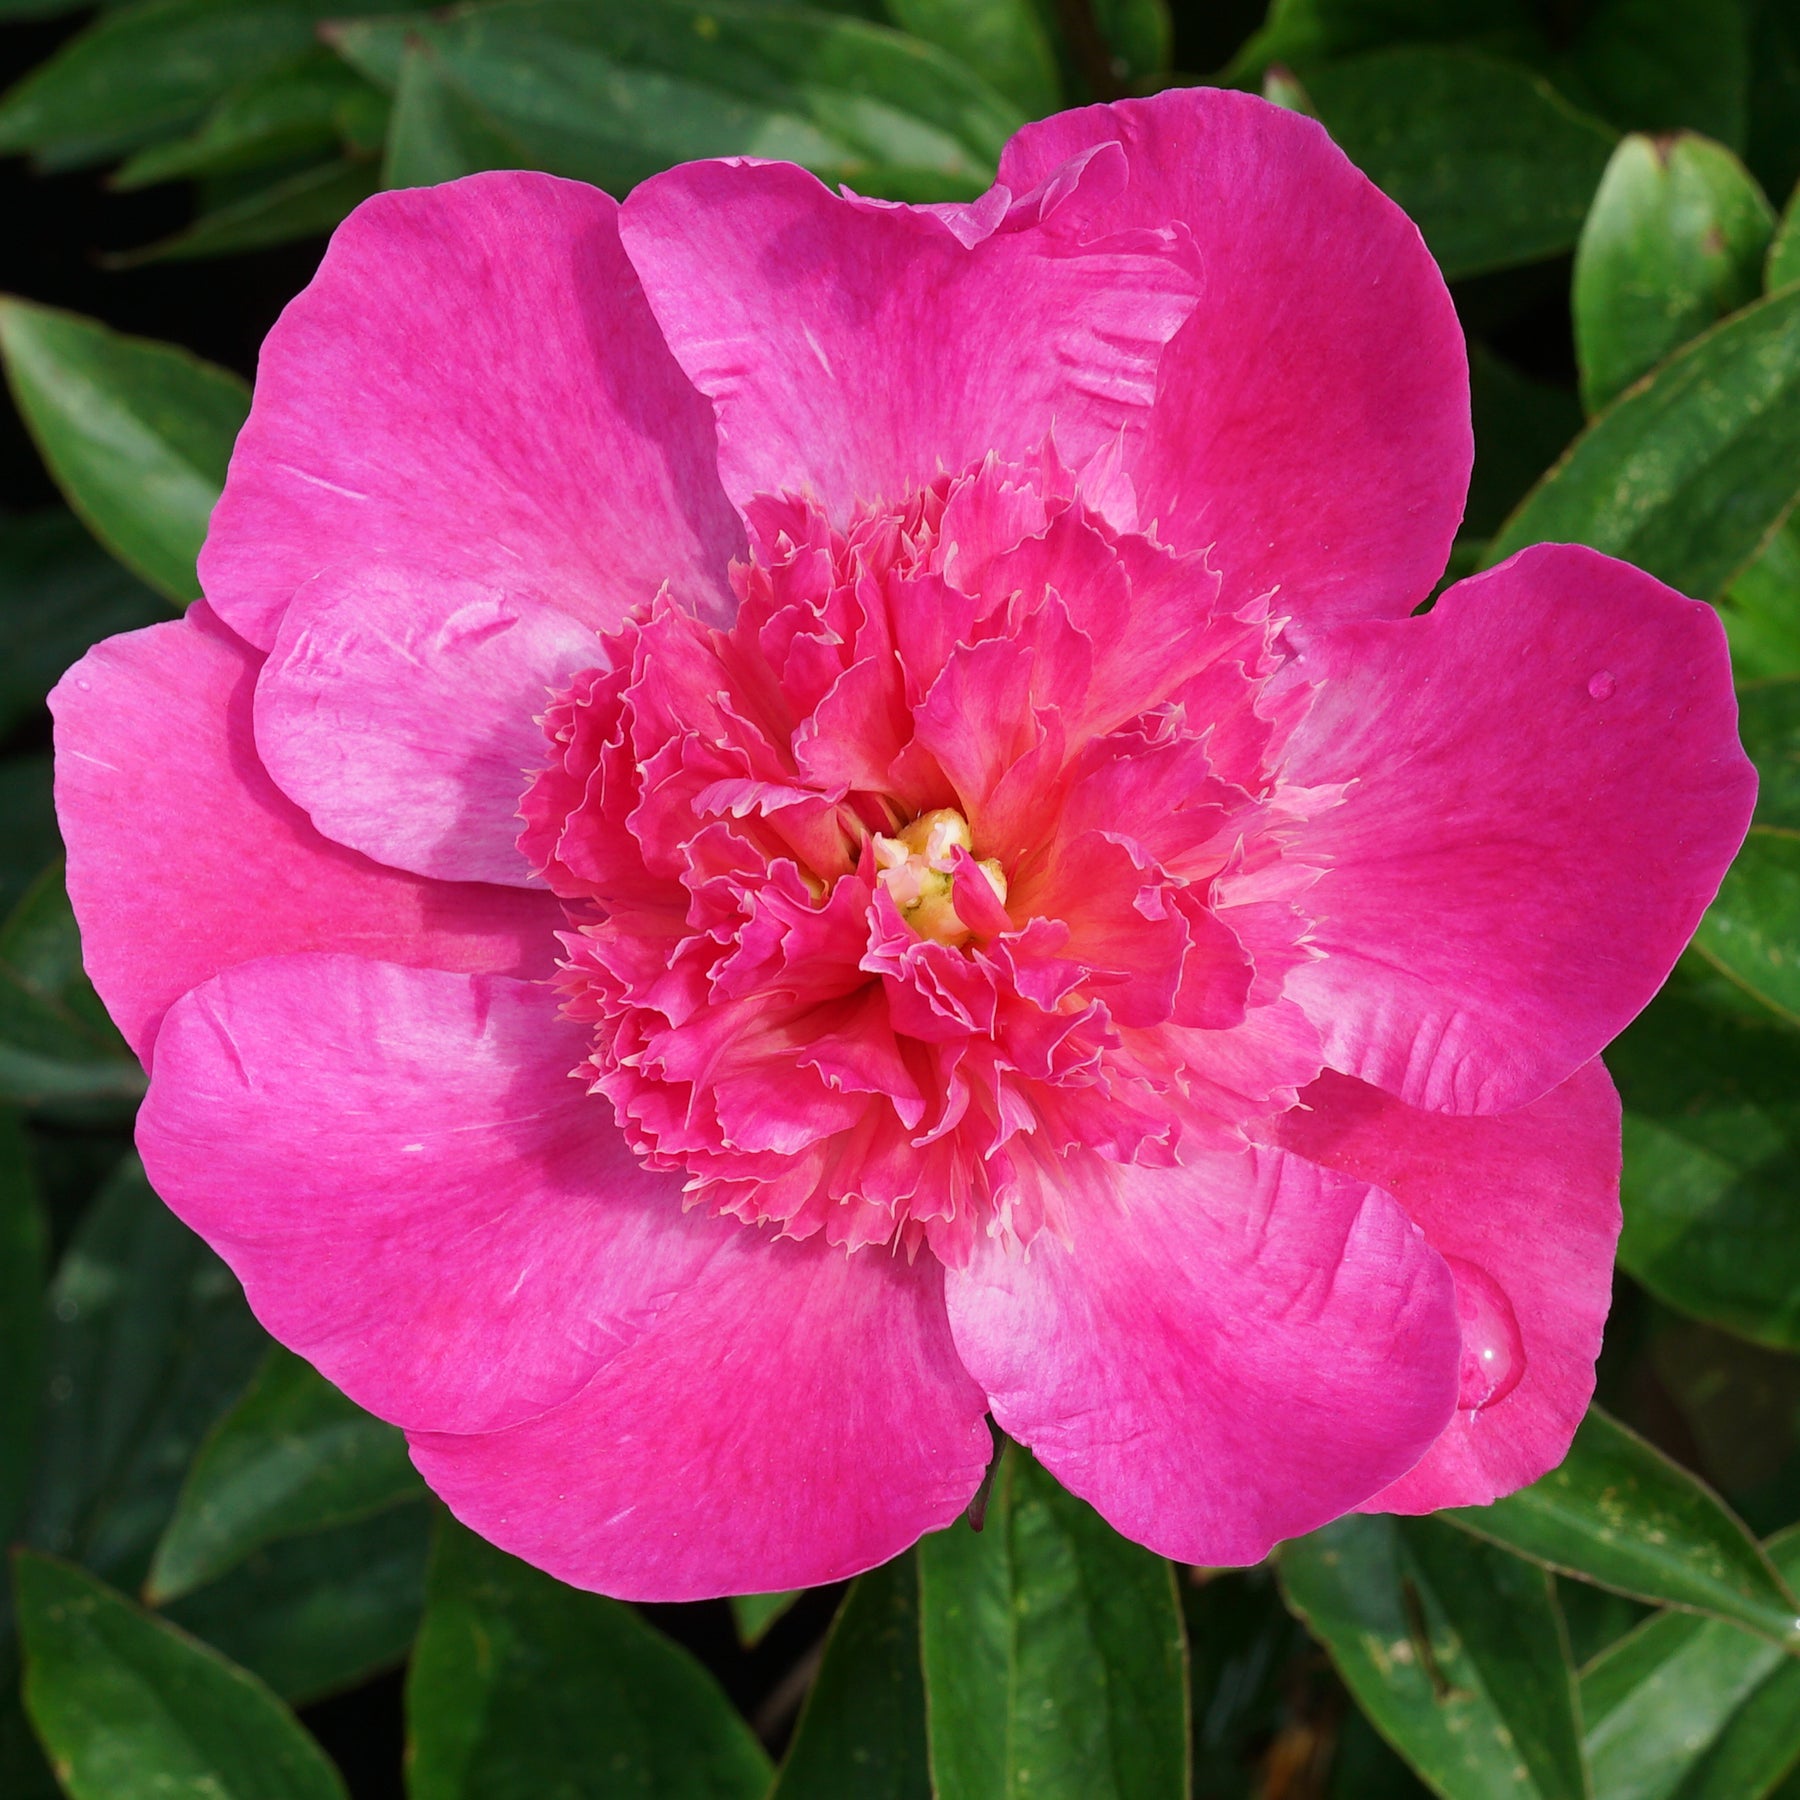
(1547, 789)
(852, 349)
(1525, 1208)
(1312, 417)
(795, 1416)
(184, 857)
(1227, 1354)
(472, 387)
(403, 716)
(415, 1195)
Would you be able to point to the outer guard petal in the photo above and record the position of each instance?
(795, 1416)
(1525, 1203)
(853, 350)
(472, 386)
(413, 1192)
(1547, 790)
(1312, 418)
(184, 857)
(1238, 1351)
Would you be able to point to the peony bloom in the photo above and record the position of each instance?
(1012, 912)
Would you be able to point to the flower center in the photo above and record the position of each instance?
(918, 869)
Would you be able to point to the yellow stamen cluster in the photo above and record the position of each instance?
(916, 869)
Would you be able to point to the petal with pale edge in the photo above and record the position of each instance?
(473, 387)
(415, 1195)
(1312, 417)
(795, 1416)
(1233, 1352)
(1525, 1206)
(1546, 789)
(184, 857)
(404, 717)
(854, 350)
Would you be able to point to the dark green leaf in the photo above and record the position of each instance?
(523, 1689)
(1694, 1707)
(315, 1614)
(22, 1252)
(136, 433)
(1453, 1648)
(1521, 427)
(1307, 31)
(1492, 164)
(610, 91)
(1674, 240)
(28, 835)
(1003, 41)
(1762, 610)
(292, 1455)
(1783, 264)
(754, 1614)
(57, 1046)
(438, 132)
(1620, 1513)
(307, 204)
(1688, 474)
(1774, 146)
(1055, 1660)
(150, 1340)
(1712, 1163)
(24, 1775)
(1769, 724)
(148, 70)
(1596, 1618)
(1139, 36)
(1660, 65)
(132, 1709)
(863, 1729)
(1751, 932)
(59, 593)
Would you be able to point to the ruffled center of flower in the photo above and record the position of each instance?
(954, 871)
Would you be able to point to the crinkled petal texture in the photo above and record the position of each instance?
(1011, 913)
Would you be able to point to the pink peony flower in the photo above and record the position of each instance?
(1014, 912)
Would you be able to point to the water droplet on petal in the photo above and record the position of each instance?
(1493, 1352)
(1602, 685)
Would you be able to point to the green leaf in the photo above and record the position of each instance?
(1139, 35)
(59, 593)
(308, 203)
(1694, 1707)
(1662, 65)
(1751, 932)
(1690, 473)
(149, 1341)
(1674, 240)
(1453, 1648)
(1761, 610)
(1521, 427)
(1620, 1513)
(148, 70)
(1055, 1661)
(438, 132)
(57, 1046)
(1002, 41)
(132, 1709)
(22, 1252)
(297, 110)
(28, 835)
(862, 1731)
(315, 1614)
(136, 433)
(523, 1689)
(755, 1614)
(1769, 725)
(292, 1455)
(1305, 31)
(610, 91)
(1783, 264)
(1494, 166)
(1712, 1163)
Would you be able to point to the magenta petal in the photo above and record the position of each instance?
(795, 1416)
(472, 387)
(402, 716)
(1312, 417)
(184, 857)
(1525, 1208)
(1237, 1351)
(852, 350)
(415, 1195)
(1546, 789)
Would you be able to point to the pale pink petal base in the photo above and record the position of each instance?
(1237, 1352)
(414, 1193)
(1526, 1208)
(184, 857)
(796, 1416)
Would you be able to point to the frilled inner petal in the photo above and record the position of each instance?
(959, 853)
